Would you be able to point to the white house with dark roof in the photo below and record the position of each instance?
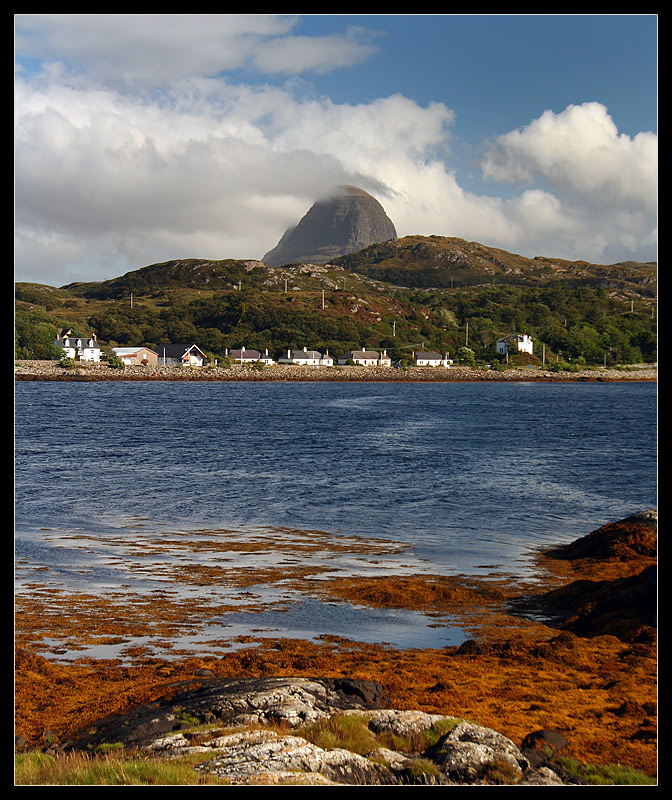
(78, 348)
(516, 342)
(266, 359)
(367, 358)
(185, 355)
(307, 358)
(245, 356)
(430, 358)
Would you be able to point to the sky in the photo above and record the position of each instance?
(141, 138)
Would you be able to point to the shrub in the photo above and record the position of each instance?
(115, 362)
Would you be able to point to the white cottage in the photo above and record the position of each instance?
(245, 356)
(78, 348)
(367, 358)
(186, 355)
(516, 342)
(430, 358)
(307, 358)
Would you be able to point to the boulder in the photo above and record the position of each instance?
(469, 752)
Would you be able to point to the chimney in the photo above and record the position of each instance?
(289, 354)
(305, 349)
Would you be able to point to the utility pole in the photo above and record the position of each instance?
(394, 327)
(323, 299)
(543, 353)
(285, 285)
(131, 299)
(466, 338)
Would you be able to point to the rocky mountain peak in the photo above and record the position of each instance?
(346, 221)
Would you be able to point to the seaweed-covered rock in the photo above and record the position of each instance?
(630, 538)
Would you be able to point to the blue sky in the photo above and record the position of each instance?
(141, 138)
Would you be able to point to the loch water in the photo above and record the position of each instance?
(466, 478)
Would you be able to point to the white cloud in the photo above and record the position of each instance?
(160, 48)
(580, 154)
(110, 179)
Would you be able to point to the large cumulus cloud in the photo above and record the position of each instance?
(113, 173)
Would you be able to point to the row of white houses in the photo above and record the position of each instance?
(82, 348)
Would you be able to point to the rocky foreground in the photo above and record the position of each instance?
(593, 678)
(52, 371)
(253, 739)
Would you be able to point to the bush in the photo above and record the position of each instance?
(115, 362)
(466, 356)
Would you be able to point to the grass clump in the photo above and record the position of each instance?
(605, 774)
(352, 732)
(346, 731)
(422, 767)
(103, 769)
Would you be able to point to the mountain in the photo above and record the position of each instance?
(347, 221)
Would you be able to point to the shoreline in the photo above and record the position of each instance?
(51, 371)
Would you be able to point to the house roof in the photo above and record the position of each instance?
(129, 351)
(362, 354)
(518, 336)
(428, 356)
(178, 350)
(305, 354)
(87, 341)
(253, 355)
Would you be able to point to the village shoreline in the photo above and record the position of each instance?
(53, 371)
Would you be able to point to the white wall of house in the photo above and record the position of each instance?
(432, 360)
(523, 343)
(307, 358)
(79, 347)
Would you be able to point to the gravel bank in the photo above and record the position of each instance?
(50, 370)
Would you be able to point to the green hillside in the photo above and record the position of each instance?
(443, 262)
(438, 292)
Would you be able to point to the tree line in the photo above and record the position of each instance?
(584, 323)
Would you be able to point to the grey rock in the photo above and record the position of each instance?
(275, 754)
(253, 701)
(467, 751)
(401, 723)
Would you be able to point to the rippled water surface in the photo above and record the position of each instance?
(467, 478)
